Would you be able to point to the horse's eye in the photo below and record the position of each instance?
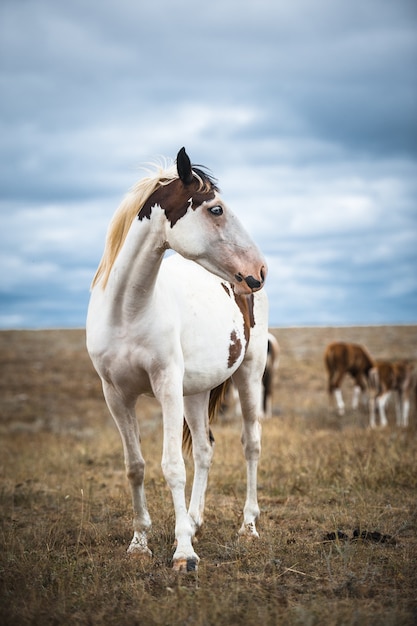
(216, 210)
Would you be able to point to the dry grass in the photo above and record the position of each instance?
(66, 513)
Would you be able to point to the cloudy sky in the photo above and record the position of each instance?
(305, 111)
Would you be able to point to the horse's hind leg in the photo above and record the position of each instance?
(335, 382)
(196, 414)
(403, 409)
(250, 393)
(405, 412)
(125, 418)
(360, 388)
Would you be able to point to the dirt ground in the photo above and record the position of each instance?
(48, 383)
(338, 524)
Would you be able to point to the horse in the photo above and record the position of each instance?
(177, 327)
(343, 358)
(386, 377)
(230, 403)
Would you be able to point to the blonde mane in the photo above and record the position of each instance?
(124, 216)
(129, 209)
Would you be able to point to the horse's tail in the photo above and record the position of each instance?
(217, 396)
(216, 400)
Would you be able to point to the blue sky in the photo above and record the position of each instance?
(304, 111)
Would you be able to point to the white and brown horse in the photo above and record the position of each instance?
(387, 378)
(177, 328)
(343, 358)
(230, 404)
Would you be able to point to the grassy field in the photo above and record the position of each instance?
(66, 513)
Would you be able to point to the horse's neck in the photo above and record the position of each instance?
(134, 273)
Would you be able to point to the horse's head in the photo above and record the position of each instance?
(202, 228)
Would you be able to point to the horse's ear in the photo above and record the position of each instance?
(184, 167)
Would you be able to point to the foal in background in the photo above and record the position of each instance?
(387, 378)
(343, 358)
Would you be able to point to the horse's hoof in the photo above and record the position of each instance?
(140, 554)
(248, 531)
(184, 566)
(135, 550)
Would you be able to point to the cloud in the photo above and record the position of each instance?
(305, 112)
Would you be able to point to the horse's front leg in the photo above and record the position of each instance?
(173, 467)
(372, 409)
(337, 393)
(196, 414)
(382, 400)
(250, 399)
(124, 415)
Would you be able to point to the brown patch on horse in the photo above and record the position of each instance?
(245, 304)
(175, 199)
(226, 288)
(235, 349)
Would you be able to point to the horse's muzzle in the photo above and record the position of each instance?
(253, 283)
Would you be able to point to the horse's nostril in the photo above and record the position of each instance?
(263, 274)
(252, 282)
(239, 277)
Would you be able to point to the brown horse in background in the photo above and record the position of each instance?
(343, 358)
(387, 377)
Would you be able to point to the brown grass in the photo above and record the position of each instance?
(66, 513)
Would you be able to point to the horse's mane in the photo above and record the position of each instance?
(131, 205)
